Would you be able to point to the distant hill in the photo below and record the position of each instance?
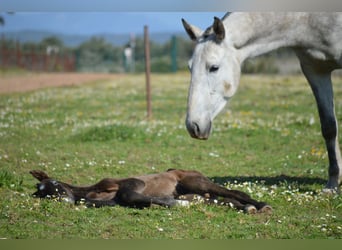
(71, 40)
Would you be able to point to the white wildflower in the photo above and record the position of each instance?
(213, 154)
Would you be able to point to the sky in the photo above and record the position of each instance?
(170, 5)
(122, 16)
(88, 23)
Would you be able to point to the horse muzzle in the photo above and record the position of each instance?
(199, 130)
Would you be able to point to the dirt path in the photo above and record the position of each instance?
(28, 82)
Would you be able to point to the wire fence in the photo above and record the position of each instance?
(36, 59)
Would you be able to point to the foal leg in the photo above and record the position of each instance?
(100, 203)
(321, 86)
(202, 185)
(206, 199)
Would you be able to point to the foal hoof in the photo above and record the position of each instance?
(182, 203)
(250, 209)
(267, 209)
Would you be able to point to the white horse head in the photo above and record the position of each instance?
(215, 73)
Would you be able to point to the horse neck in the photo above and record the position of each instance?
(78, 192)
(254, 34)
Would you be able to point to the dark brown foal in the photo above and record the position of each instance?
(170, 188)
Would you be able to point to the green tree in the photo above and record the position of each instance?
(51, 41)
(98, 55)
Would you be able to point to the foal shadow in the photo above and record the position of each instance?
(301, 182)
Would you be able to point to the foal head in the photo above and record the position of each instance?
(215, 74)
(50, 188)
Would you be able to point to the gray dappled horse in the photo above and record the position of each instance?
(171, 188)
(221, 49)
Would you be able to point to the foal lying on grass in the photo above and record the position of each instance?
(170, 188)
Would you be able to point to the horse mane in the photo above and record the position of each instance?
(226, 16)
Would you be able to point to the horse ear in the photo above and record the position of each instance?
(193, 32)
(219, 30)
(39, 175)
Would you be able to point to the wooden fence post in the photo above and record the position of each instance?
(18, 54)
(147, 73)
(4, 54)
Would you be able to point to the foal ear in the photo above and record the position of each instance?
(193, 32)
(39, 175)
(219, 30)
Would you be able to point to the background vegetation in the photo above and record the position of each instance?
(267, 143)
(98, 55)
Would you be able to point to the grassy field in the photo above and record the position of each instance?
(267, 143)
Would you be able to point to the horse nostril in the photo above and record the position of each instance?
(195, 129)
(192, 128)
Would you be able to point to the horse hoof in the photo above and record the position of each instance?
(267, 209)
(330, 191)
(250, 209)
(182, 203)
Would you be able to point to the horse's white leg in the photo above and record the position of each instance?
(321, 85)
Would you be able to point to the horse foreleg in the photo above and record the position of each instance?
(321, 86)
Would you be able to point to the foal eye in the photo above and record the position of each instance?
(41, 186)
(213, 68)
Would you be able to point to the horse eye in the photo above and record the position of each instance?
(55, 183)
(213, 68)
(40, 186)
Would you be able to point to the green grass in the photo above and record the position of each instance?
(267, 143)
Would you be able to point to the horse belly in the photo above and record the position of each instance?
(159, 185)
